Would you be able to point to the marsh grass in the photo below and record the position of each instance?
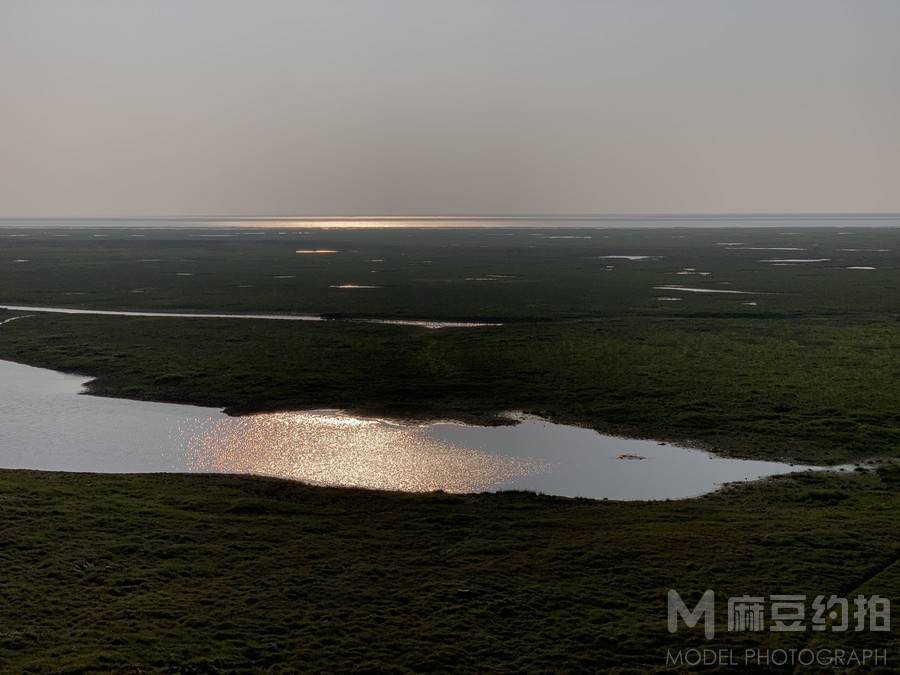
(810, 391)
(177, 573)
(174, 573)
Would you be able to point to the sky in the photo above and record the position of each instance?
(448, 107)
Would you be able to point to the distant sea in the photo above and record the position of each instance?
(843, 220)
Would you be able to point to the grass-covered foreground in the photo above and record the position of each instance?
(810, 390)
(174, 573)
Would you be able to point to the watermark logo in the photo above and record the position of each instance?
(705, 610)
(779, 613)
(783, 613)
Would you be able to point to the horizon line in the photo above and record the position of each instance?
(799, 215)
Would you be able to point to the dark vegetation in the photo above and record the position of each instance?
(503, 274)
(210, 574)
(177, 573)
(809, 390)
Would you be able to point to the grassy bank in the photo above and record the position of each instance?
(810, 390)
(212, 573)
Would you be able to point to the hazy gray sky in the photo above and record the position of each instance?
(124, 107)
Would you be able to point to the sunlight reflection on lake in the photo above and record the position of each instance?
(48, 426)
(331, 448)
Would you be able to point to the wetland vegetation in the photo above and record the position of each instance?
(206, 573)
(810, 390)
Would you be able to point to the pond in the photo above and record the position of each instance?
(47, 425)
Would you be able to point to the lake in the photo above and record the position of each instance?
(49, 425)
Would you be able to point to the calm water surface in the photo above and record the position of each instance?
(260, 317)
(47, 425)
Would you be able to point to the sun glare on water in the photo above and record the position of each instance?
(336, 449)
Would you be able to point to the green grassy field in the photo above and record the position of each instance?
(181, 573)
(210, 574)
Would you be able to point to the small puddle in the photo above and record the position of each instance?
(629, 257)
(767, 248)
(795, 260)
(354, 286)
(702, 290)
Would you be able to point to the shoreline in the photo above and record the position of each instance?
(92, 386)
(420, 375)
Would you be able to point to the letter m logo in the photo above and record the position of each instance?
(705, 609)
